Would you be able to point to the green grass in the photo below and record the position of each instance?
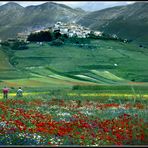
(107, 75)
(69, 65)
(7, 71)
(4, 64)
(70, 58)
(69, 55)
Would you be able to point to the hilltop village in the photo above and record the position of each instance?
(70, 29)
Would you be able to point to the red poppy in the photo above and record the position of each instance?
(82, 137)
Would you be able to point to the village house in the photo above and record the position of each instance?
(44, 30)
(71, 29)
(11, 40)
(22, 36)
(97, 33)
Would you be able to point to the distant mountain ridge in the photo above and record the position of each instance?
(15, 18)
(130, 21)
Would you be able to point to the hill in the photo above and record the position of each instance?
(96, 63)
(97, 55)
(15, 18)
(130, 21)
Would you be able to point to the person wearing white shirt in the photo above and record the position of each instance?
(19, 92)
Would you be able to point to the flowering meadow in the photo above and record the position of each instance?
(59, 122)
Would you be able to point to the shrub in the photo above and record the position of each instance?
(40, 36)
(5, 43)
(57, 42)
(19, 45)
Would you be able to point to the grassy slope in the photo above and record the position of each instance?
(50, 66)
(39, 77)
(4, 64)
(8, 71)
(131, 60)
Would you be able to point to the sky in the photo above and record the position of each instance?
(86, 5)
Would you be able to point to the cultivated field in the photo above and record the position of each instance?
(95, 63)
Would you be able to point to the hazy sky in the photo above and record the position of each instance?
(75, 4)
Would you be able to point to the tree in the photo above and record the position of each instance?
(63, 37)
(5, 43)
(19, 45)
(57, 34)
(57, 42)
(43, 36)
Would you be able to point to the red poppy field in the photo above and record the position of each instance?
(57, 122)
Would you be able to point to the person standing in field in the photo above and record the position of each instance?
(5, 92)
(20, 92)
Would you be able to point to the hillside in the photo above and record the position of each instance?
(99, 55)
(15, 18)
(130, 21)
(4, 64)
(97, 63)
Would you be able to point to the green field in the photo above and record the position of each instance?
(98, 63)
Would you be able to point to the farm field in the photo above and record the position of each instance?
(99, 62)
